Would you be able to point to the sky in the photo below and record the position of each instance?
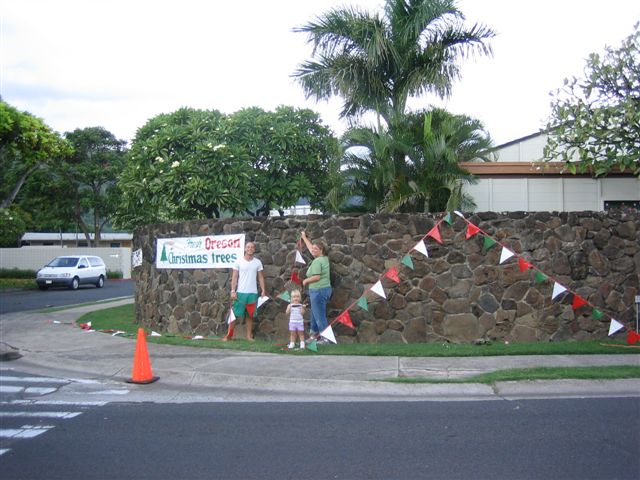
(118, 63)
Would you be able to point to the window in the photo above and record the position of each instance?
(115, 245)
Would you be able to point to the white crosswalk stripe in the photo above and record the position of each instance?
(26, 431)
(26, 413)
(41, 414)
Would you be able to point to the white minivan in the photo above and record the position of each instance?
(72, 271)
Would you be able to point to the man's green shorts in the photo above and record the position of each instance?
(240, 305)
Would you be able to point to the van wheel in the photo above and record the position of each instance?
(75, 283)
(100, 282)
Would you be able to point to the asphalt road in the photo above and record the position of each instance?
(21, 300)
(532, 439)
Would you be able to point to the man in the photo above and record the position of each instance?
(244, 288)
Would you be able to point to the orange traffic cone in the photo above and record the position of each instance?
(141, 372)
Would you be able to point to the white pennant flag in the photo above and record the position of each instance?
(232, 317)
(557, 290)
(459, 213)
(615, 326)
(299, 258)
(505, 255)
(377, 288)
(197, 337)
(422, 248)
(155, 334)
(262, 300)
(328, 334)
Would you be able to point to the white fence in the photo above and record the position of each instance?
(34, 258)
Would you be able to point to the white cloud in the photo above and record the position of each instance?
(78, 63)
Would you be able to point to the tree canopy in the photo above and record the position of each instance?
(595, 121)
(91, 173)
(26, 144)
(427, 177)
(204, 164)
(376, 61)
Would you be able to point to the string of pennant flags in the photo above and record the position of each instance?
(559, 292)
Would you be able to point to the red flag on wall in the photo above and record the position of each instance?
(435, 234)
(471, 230)
(578, 301)
(392, 273)
(524, 265)
(345, 319)
(295, 278)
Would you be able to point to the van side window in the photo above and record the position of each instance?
(95, 261)
(83, 263)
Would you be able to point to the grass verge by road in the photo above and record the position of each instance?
(613, 372)
(122, 318)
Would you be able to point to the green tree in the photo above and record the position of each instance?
(26, 144)
(441, 141)
(289, 151)
(13, 224)
(429, 178)
(595, 121)
(180, 167)
(375, 62)
(91, 173)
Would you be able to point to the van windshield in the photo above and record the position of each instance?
(63, 262)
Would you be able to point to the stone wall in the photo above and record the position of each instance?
(460, 293)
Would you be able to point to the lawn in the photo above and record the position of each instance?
(122, 318)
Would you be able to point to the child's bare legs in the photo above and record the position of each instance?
(292, 338)
(301, 338)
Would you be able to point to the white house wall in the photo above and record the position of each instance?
(568, 194)
(527, 150)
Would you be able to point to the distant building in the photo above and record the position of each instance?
(69, 240)
(301, 208)
(521, 181)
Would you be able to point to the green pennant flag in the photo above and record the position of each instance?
(540, 277)
(596, 314)
(285, 296)
(448, 219)
(313, 346)
(406, 260)
(488, 242)
(362, 303)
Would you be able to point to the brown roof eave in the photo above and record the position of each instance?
(498, 169)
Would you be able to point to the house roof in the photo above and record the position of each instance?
(504, 169)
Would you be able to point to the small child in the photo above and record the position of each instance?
(296, 310)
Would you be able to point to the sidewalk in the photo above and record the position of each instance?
(52, 340)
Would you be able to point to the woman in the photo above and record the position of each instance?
(319, 283)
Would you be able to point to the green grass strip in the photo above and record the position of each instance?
(123, 318)
(537, 373)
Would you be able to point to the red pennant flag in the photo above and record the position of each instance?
(524, 265)
(633, 337)
(392, 273)
(435, 234)
(251, 307)
(345, 319)
(471, 230)
(578, 301)
(295, 278)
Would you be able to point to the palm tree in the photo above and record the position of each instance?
(428, 178)
(376, 62)
(441, 141)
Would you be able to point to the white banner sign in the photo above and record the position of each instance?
(220, 251)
